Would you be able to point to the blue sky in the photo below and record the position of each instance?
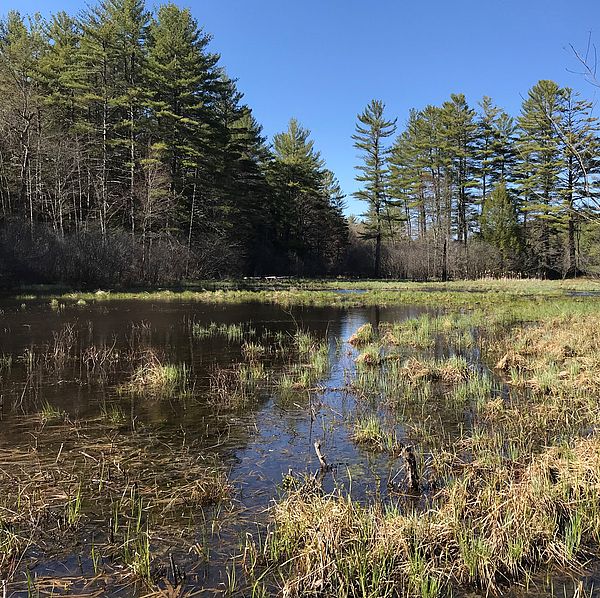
(323, 60)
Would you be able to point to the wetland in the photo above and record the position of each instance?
(386, 440)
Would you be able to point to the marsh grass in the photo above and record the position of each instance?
(363, 336)
(155, 378)
(486, 529)
(416, 333)
(478, 388)
(513, 488)
(369, 431)
(452, 369)
(484, 292)
(231, 332)
(253, 351)
(236, 387)
(73, 508)
(113, 414)
(371, 355)
(308, 363)
(420, 333)
(514, 492)
(201, 331)
(50, 414)
(134, 487)
(558, 354)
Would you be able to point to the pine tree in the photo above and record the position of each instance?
(130, 21)
(499, 225)
(578, 132)
(495, 146)
(539, 168)
(62, 79)
(407, 178)
(304, 193)
(96, 55)
(295, 176)
(459, 132)
(372, 130)
(183, 78)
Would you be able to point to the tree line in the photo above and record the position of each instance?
(460, 191)
(127, 154)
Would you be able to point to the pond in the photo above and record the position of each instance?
(94, 466)
(257, 444)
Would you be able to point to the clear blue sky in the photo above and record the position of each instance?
(323, 60)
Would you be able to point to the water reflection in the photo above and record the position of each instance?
(259, 444)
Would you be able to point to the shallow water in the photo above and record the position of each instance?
(257, 445)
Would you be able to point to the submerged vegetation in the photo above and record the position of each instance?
(456, 449)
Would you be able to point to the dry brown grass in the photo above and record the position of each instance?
(362, 336)
(485, 529)
(555, 355)
(124, 486)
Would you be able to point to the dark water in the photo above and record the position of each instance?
(257, 445)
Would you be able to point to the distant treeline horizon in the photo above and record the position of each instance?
(127, 156)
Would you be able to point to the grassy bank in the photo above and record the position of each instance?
(489, 527)
(515, 491)
(466, 294)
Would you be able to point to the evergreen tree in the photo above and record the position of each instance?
(305, 194)
(579, 146)
(130, 20)
(458, 133)
(539, 168)
(499, 225)
(182, 78)
(372, 130)
(124, 120)
(495, 146)
(97, 56)
(406, 181)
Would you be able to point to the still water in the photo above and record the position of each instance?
(167, 441)
(257, 445)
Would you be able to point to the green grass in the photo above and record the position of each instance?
(369, 431)
(51, 414)
(470, 294)
(232, 332)
(157, 379)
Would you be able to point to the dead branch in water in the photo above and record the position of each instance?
(410, 464)
(320, 456)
